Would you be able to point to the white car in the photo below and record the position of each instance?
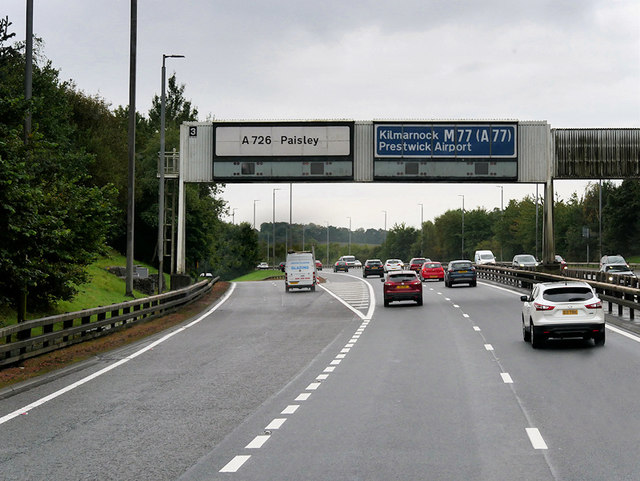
(393, 265)
(562, 310)
(263, 265)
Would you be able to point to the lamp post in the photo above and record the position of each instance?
(349, 235)
(254, 212)
(462, 195)
(233, 215)
(327, 242)
(501, 213)
(421, 227)
(273, 223)
(161, 168)
(385, 220)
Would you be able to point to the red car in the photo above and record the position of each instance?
(402, 286)
(415, 264)
(318, 265)
(432, 270)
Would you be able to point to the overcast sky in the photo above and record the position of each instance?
(570, 63)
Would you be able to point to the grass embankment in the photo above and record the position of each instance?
(102, 289)
(260, 275)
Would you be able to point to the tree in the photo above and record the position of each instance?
(53, 222)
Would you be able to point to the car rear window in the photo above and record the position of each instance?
(461, 265)
(568, 294)
(374, 263)
(402, 277)
(432, 265)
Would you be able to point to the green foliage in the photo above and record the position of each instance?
(237, 250)
(53, 222)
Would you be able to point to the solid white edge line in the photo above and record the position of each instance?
(105, 370)
(536, 438)
(372, 299)
(235, 464)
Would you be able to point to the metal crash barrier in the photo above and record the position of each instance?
(38, 336)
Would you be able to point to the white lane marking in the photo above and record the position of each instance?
(349, 345)
(258, 441)
(329, 369)
(303, 396)
(476, 328)
(506, 378)
(488, 347)
(465, 315)
(335, 362)
(235, 464)
(536, 439)
(322, 377)
(341, 356)
(456, 305)
(372, 299)
(313, 386)
(85, 380)
(622, 332)
(346, 349)
(290, 409)
(276, 423)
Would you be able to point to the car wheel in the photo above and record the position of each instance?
(535, 341)
(286, 288)
(386, 303)
(419, 301)
(313, 288)
(599, 339)
(525, 334)
(473, 284)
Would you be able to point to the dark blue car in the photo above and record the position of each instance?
(460, 272)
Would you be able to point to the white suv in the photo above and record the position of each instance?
(562, 310)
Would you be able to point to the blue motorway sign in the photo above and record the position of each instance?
(446, 140)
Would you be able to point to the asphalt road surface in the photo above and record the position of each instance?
(331, 385)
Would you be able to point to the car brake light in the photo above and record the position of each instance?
(542, 307)
(595, 305)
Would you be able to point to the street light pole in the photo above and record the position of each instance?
(421, 227)
(254, 213)
(233, 215)
(462, 195)
(273, 223)
(501, 214)
(349, 235)
(161, 168)
(327, 242)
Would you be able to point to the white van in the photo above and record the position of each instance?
(350, 260)
(300, 271)
(484, 257)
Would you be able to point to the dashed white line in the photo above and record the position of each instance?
(476, 328)
(488, 347)
(536, 439)
(456, 305)
(258, 441)
(303, 396)
(276, 423)
(235, 464)
(322, 377)
(340, 356)
(329, 369)
(313, 386)
(290, 409)
(465, 315)
(335, 362)
(506, 378)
